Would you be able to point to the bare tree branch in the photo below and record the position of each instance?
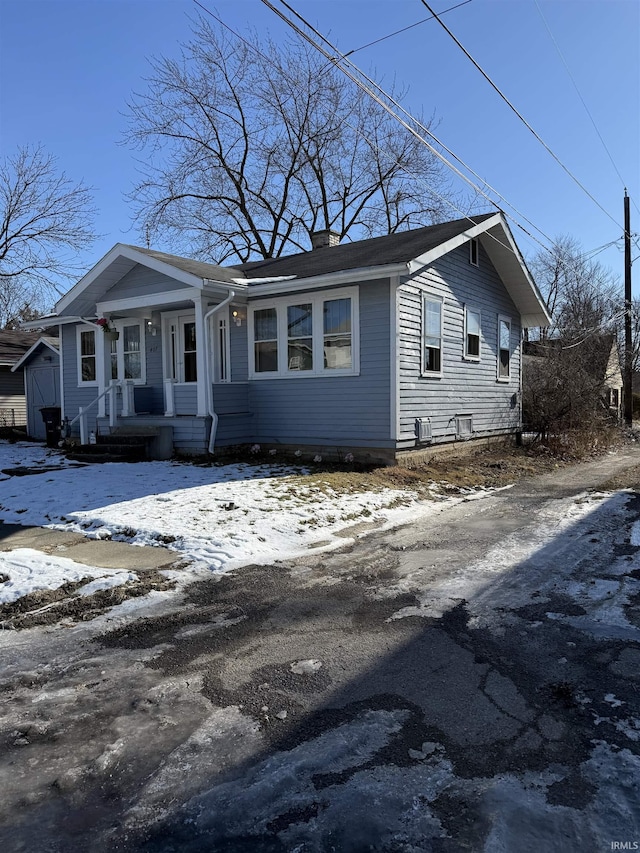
(249, 147)
(44, 220)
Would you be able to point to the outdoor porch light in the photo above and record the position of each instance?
(237, 319)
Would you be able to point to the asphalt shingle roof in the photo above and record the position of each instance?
(15, 343)
(377, 251)
(198, 268)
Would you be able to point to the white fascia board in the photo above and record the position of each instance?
(333, 279)
(444, 248)
(46, 322)
(32, 349)
(133, 303)
(122, 251)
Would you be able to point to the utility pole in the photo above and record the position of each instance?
(628, 342)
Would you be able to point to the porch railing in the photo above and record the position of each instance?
(128, 408)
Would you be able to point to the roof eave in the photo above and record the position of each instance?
(32, 349)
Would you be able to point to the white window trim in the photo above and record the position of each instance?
(431, 374)
(119, 327)
(82, 383)
(474, 242)
(316, 299)
(221, 372)
(169, 318)
(505, 319)
(467, 356)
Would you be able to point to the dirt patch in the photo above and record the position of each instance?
(48, 606)
(629, 479)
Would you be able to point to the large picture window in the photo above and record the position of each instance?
(314, 335)
(432, 336)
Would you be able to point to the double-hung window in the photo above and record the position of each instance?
(472, 334)
(300, 336)
(504, 349)
(87, 368)
(309, 335)
(265, 336)
(336, 322)
(432, 336)
(127, 352)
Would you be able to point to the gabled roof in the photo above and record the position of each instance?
(43, 342)
(82, 298)
(401, 247)
(416, 249)
(402, 253)
(14, 344)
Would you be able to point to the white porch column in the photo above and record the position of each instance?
(169, 401)
(102, 363)
(201, 357)
(113, 402)
(128, 404)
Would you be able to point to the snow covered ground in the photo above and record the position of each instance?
(216, 517)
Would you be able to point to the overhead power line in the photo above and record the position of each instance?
(405, 29)
(496, 88)
(579, 93)
(387, 102)
(335, 59)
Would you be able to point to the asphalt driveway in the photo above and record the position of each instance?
(467, 684)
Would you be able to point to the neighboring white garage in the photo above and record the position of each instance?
(41, 367)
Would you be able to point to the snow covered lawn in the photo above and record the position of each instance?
(216, 517)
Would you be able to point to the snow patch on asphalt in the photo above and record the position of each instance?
(30, 571)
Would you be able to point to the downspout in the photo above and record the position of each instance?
(208, 377)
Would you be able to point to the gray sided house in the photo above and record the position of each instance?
(374, 347)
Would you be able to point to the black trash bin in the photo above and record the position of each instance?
(51, 415)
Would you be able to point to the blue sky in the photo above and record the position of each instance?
(67, 68)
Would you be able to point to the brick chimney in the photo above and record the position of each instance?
(323, 239)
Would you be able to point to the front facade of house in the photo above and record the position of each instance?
(373, 348)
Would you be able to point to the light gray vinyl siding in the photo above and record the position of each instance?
(75, 395)
(151, 396)
(239, 353)
(142, 281)
(235, 421)
(335, 411)
(185, 397)
(466, 387)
